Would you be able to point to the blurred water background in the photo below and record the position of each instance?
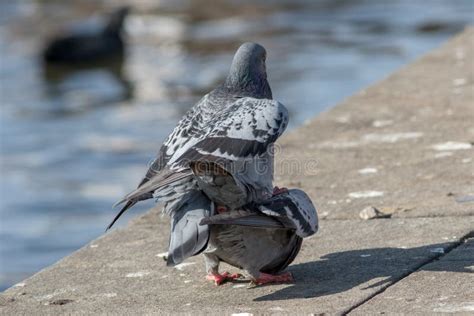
(73, 142)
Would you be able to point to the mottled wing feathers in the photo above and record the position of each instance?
(295, 206)
(244, 130)
(243, 218)
(292, 210)
(189, 131)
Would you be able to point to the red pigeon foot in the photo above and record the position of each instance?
(221, 278)
(221, 209)
(277, 190)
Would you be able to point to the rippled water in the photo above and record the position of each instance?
(74, 141)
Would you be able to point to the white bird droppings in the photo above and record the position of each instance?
(443, 154)
(137, 274)
(110, 295)
(343, 119)
(459, 82)
(459, 54)
(437, 250)
(367, 170)
(184, 264)
(163, 254)
(382, 123)
(464, 307)
(94, 246)
(452, 146)
(365, 194)
(276, 308)
(339, 144)
(391, 137)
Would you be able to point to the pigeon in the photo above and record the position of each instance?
(262, 239)
(89, 45)
(223, 146)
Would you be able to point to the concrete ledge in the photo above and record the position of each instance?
(403, 146)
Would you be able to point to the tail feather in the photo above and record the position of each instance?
(146, 189)
(129, 204)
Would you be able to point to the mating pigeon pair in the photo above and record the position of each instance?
(215, 172)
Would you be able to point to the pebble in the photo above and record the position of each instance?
(371, 212)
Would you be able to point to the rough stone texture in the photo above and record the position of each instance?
(343, 265)
(443, 286)
(376, 149)
(427, 103)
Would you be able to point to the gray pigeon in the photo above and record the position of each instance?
(222, 146)
(262, 239)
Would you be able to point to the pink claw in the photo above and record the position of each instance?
(221, 209)
(277, 190)
(221, 278)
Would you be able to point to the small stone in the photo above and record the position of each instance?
(371, 212)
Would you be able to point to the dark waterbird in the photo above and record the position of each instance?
(89, 46)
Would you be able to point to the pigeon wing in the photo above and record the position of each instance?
(245, 130)
(244, 218)
(189, 131)
(187, 237)
(295, 207)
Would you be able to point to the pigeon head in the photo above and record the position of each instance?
(248, 74)
(115, 23)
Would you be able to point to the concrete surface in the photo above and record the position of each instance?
(403, 146)
(443, 286)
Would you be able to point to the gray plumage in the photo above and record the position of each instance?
(187, 237)
(222, 144)
(259, 238)
(262, 238)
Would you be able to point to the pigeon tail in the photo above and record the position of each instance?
(129, 204)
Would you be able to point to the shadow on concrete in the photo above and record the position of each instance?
(341, 271)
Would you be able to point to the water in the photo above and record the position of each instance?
(73, 142)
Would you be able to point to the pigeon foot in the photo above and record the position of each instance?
(221, 278)
(221, 209)
(277, 190)
(266, 278)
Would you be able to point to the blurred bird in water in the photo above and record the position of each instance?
(81, 46)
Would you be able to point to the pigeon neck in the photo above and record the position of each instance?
(248, 86)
